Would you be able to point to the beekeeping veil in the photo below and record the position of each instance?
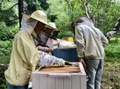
(28, 23)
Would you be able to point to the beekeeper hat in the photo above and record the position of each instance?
(40, 16)
(53, 25)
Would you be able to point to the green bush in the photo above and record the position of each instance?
(112, 52)
(5, 49)
(6, 37)
(115, 40)
(63, 23)
(2, 83)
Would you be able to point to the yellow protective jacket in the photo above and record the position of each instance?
(24, 58)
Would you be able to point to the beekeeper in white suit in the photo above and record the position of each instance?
(25, 55)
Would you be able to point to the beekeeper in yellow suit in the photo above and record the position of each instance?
(25, 55)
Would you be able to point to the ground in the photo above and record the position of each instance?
(111, 75)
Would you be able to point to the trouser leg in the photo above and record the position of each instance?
(92, 66)
(9, 86)
(99, 75)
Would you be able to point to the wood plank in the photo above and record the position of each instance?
(83, 82)
(59, 83)
(43, 81)
(51, 83)
(66, 68)
(75, 82)
(67, 83)
(35, 85)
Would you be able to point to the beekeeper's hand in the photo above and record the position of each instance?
(59, 61)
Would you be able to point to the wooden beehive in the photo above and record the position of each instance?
(68, 77)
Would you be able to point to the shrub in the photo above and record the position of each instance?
(5, 49)
(115, 40)
(112, 52)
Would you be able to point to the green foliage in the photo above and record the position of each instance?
(44, 4)
(115, 40)
(63, 24)
(8, 13)
(112, 52)
(8, 28)
(29, 6)
(5, 50)
(106, 14)
(2, 83)
(64, 13)
(7, 33)
(102, 11)
(6, 37)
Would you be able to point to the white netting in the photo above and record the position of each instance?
(28, 23)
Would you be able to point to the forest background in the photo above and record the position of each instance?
(104, 14)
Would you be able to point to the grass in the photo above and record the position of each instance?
(112, 52)
(111, 75)
(111, 71)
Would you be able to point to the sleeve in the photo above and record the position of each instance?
(46, 59)
(27, 50)
(45, 49)
(80, 42)
(104, 40)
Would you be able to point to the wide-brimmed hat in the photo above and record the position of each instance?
(53, 25)
(40, 16)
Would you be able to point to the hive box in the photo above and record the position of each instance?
(68, 77)
(68, 39)
(69, 54)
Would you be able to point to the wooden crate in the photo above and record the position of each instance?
(55, 79)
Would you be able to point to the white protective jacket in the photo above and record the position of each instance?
(90, 42)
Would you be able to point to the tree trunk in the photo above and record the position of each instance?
(20, 9)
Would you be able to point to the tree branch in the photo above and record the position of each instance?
(88, 10)
(114, 30)
(14, 19)
(13, 6)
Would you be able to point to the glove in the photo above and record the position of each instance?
(59, 61)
